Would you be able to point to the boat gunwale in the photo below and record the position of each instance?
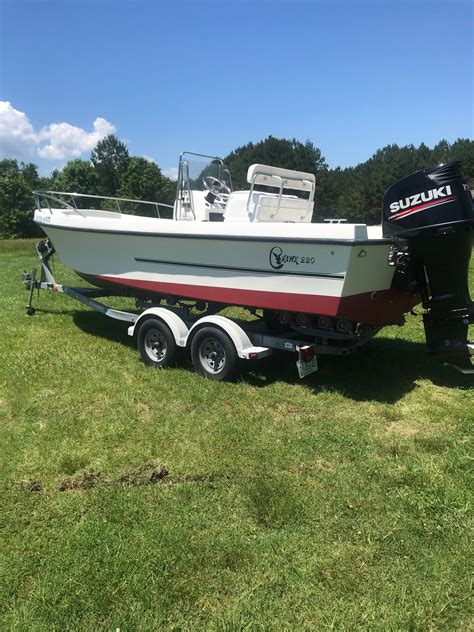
(221, 237)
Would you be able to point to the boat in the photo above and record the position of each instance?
(261, 249)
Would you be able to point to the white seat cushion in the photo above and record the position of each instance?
(262, 207)
(292, 208)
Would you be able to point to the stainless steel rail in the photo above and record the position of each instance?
(285, 183)
(51, 196)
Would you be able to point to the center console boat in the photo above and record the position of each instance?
(265, 248)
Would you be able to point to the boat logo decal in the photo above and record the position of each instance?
(278, 258)
(419, 200)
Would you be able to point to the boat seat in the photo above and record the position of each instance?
(291, 209)
(236, 207)
(263, 207)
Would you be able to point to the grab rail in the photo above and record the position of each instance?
(50, 196)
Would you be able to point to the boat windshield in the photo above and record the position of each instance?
(196, 169)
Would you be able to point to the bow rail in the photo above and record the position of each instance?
(67, 199)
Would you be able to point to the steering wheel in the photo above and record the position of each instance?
(217, 187)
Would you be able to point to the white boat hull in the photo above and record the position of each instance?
(283, 267)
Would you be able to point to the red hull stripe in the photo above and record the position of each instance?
(372, 308)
